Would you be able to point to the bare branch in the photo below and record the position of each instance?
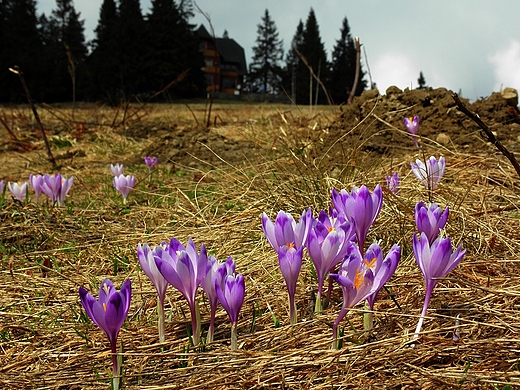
(17, 71)
(314, 75)
(488, 133)
(356, 77)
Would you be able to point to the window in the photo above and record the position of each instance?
(229, 83)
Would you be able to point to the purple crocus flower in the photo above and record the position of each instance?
(393, 182)
(430, 174)
(36, 183)
(288, 239)
(116, 169)
(231, 292)
(389, 264)
(209, 287)
(360, 206)
(362, 277)
(124, 184)
(435, 260)
(327, 244)
(56, 187)
(18, 190)
(2, 187)
(184, 269)
(51, 186)
(150, 162)
(109, 313)
(412, 125)
(430, 220)
(147, 262)
(290, 260)
(66, 184)
(383, 268)
(285, 230)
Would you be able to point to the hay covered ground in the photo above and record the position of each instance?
(212, 185)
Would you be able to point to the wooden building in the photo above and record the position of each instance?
(224, 63)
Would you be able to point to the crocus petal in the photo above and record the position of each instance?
(116, 169)
(231, 293)
(147, 262)
(124, 184)
(19, 191)
(110, 310)
(290, 261)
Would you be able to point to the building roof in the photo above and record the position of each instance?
(228, 48)
(231, 51)
(203, 33)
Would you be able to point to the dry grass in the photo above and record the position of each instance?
(47, 342)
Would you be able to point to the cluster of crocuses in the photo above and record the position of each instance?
(55, 186)
(335, 242)
(124, 184)
(186, 269)
(433, 253)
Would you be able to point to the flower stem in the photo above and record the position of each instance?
(292, 310)
(342, 314)
(195, 323)
(368, 321)
(429, 290)
(115, 366)
(329, 289)
(211, 330)
(318, 307)
(234, 337)
(160, 313)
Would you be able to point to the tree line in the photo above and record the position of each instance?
(307, 56)
(136, 55)
(131, 54)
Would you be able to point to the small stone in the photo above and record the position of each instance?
(443, 139)
(511, 96)
(393, 90)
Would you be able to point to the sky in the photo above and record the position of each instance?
(468, 46)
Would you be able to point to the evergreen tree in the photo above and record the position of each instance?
(344, 67)
(313, 50)
(65, 51)
(102, 63)
(293, 65)
(173, 48)
(421, 81)
(20, 45)
(131, 49)
(265, 71)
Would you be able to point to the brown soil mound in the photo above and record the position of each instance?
(375, 122)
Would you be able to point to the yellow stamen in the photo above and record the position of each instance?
(359, 279)
(290, 245)
(370, 264)
(330, 228)
(104, 306)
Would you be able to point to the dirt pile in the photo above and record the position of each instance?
(375, 122)
(196, 147)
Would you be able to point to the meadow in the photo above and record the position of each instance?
(213, 184)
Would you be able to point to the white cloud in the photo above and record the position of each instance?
(506, 66)
(393, 68)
